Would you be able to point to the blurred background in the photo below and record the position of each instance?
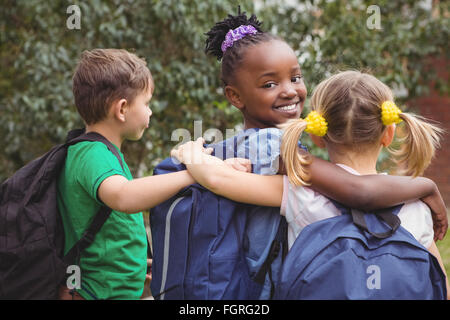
(403, 43)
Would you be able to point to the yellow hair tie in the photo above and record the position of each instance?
(316, 124)
(390, 113)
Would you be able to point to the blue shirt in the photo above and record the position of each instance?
(261, 146)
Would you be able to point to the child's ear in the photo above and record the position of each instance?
(233, 96)
(119, 109)
(388, 135)
(318, 141)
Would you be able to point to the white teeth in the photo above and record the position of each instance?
(288, 108)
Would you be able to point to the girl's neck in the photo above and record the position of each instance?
(363, 162)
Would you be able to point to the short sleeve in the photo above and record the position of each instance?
(94, 163)
(415, 216)
(263, 149)
(260, 146)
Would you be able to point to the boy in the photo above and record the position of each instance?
(112, 89)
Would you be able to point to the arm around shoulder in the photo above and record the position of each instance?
(132, 196)
(367, 192)
(237, 185)
(218, 177)
(371, 192)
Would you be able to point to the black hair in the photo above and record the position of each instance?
(233, 55)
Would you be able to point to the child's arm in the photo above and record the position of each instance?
(131, 196)
(370, 192)
(220, 178)
(237, 185)
(362, 192)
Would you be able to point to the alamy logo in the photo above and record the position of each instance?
(374, 20)
(266, 140)
(74, 20)
(374, 280)
(74, 280)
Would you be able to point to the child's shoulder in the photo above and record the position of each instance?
(415, 216)
(92, 153)
(253, 137)
(91, 148)
(268, 133)
(416, 210)
(261, 146)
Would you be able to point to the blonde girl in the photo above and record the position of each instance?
(353, 116)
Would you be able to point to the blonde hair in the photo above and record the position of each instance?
(350, 102)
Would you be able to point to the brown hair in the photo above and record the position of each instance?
(351, 102)
(103, 76)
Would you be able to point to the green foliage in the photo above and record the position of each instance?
(38, 54)
(330, 36)
(333, 35)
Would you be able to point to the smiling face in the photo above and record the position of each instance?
(268, 85)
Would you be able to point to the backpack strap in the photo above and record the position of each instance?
(104, 212)
(279, 244)
(392, 220)
(72, 139)
(89, 235)
(388, 215)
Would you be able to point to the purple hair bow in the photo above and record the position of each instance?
(237, 34)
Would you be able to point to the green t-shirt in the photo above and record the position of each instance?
(114, 265)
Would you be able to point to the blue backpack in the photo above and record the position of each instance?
(206, 247)
(359, 256)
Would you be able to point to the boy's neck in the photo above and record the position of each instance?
(363, 162)
(107, 131)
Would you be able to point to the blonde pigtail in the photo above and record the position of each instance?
(294, 162)
(418, 144)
